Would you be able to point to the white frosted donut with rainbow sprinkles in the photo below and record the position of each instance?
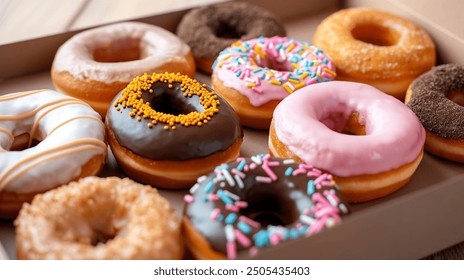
(255, 75)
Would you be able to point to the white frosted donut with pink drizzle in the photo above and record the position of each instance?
(254, 75)
(308, 125)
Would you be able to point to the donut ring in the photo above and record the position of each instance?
(71, 145)
(96, 64)
(255, 75)
(376, 48)
(437, 99)
(385, 145)
(210, 29)
(166, 130)
(258, 202)
(99, 218)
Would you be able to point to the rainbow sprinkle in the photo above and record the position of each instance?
(253, 61)
(242, 232)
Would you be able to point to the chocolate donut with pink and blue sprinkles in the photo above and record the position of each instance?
(257, 202)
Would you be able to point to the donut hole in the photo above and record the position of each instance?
(375, 34)
(121, 50)
(167, 100)
(21, 142)
(269, 208)
(338, 122)
(457, 97)
(100, 237)
(226, 30)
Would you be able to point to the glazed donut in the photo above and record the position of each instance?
(99, 218)
(167, 130)
(71, 145)
(376, 48)
(370, 141)
(437, 99)
(258, 202)
(210, 29)
(96, 64)
(255, 75)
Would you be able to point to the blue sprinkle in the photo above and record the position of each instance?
(220, 217)
(231, 218)
(261, 39)
(239, 72)
(245, 228)
(209, 187)
(214, 64)
(318, 51)
(281, 80)
(289, 171)
(241, 165)
(205, 199)
(325, 60)
(312, 75)
(310, 64)
(261, 238)
(257, 70)
(319, 79)
(224, 197)
(303, 229)
(336, 187)
(245, 57)
(263, 76)
(310, 189)
(326, 80)
(293, 234)
(279, 46)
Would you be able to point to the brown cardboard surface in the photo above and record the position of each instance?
(414, 222)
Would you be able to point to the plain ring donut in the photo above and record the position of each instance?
(210, 29)
(385, 138)
(258, 202)
(376, 48)
(99, 218)
(94, 65)
(64, 140)
(437, 98)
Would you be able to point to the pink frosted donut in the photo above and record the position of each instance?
(370, 141)
(255, 75)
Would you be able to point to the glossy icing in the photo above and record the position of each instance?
(156, 44)
(69, 131)
(261, 201)
(308, 121)
(266, 69)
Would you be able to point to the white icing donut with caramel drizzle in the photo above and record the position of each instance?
(70, 135)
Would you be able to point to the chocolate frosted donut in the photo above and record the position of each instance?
(210, 29)
(257, 202)
(167, 130)
(437, 98)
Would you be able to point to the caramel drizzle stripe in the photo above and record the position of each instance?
(84, 141)
(37, 120)
(49, 158)
(20, 94)
(7, 132)
(33, 112)
(73, 119)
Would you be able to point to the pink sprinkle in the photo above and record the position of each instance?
(316, 227)
(232, 208)
(213, 197)
(313, 174)
(266, 157)
(257, 90)
(249, 221)
(188, 198)
(218, 171)
(240, 174)
(231, 250)
(307, 212)
(320, 178)
(269, 172)
(253, 165)
(285, 76)
(325, 211)
(242, 239)
(253, 251)
(215, 214)
(306, 166)
(312, 81)
(246, 168)
(239, 159)
(298, 226)
(275, 239)
(258, 81)
(241, 204)
(263, 179)
(298, 171)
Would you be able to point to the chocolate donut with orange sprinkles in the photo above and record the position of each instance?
(167, 130)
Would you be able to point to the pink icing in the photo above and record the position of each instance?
(266, 69)
(307, 123)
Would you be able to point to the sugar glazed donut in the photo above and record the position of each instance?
(370, 141)
(96, 64)
(210, 29)
(167, 130)
(258, 202)
(437, 99)
(99, 218)
(255, 75)
(46, 139)
(376, 48)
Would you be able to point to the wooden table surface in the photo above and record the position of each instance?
(27, 19)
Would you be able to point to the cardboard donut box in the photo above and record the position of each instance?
(424, 217)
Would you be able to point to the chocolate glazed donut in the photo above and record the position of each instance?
(258, 202)
(167, 130)
(210, 29)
